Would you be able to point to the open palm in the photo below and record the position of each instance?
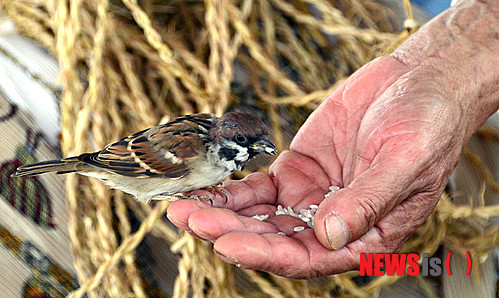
(388, 137)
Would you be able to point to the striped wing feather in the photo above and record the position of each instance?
(162, 151)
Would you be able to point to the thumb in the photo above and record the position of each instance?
(350, 212)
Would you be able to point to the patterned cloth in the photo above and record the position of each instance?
(34, 240)
(35, 251)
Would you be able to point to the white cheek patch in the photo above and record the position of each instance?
(243, 154)
(241, 157)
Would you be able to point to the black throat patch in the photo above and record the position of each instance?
(227, 153)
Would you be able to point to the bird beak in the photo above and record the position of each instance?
(264, 146)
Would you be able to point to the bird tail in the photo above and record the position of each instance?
(60, 166)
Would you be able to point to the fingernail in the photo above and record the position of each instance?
(179, 224)
(227, 259)
(203, 235)
(338, 233)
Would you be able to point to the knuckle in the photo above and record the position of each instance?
(371, 207)
(436, 186)
(405, 212)
(391, 240)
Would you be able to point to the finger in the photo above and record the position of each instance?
(351, 212)
(392, 231)
(303, 256)
(299, 179)
(256, 188)
(282, 255)
(262, 209)
(211, 223)
(284, 223)
(179, 211)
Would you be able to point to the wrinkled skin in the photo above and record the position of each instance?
(390, 137)
(362, 138)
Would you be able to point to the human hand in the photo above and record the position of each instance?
(390, 137)
(376, 137)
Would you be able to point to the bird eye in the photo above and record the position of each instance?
(240, 138)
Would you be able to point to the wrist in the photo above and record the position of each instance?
(459, 48)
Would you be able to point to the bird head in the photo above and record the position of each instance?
(241, 136)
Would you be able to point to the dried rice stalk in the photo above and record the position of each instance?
(125, 65)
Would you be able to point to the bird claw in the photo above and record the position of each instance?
(204, 197)
(218, 188)
(213, 189)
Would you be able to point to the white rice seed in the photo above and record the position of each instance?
(332, 189)
(281, 233)
(298, 228)
(261, 217)
(305, 215)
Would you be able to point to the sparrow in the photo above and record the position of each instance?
(188, 153)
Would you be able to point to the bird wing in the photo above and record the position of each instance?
(161, 151)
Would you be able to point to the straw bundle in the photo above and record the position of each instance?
(127, 65)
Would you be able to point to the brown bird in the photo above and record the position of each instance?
(188, 153)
